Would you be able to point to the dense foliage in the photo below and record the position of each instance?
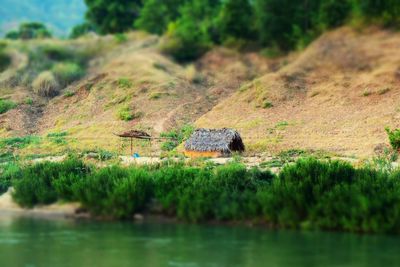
(308, 194)
(192, 26)
(176, 137)
(394, 138)
(112, 16)
(81, 29)
(30, 30)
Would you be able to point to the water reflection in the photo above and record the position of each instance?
(67, 243)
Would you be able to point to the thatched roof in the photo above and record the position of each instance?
(221, 140)
(135, 134)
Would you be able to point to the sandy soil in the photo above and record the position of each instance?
(8, 206)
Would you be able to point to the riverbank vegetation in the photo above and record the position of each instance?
(309, 194)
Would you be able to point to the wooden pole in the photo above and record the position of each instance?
(131, 146)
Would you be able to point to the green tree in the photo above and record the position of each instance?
(81, 29)
(286, 22)
(157, 14)
(387, 11)
(333, 13)
(112, 16)
(190, 36)
(236, 20)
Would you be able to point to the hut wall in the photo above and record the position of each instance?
(202, 154)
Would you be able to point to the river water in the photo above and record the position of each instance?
(30, 242)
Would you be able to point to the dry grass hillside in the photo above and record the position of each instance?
(128, 84)
(336, 96)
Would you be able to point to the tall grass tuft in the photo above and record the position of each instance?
(46, 85)
(67, 73)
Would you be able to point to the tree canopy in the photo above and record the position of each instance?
(29, 30)
(192, 26)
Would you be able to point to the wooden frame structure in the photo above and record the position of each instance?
(141, 135)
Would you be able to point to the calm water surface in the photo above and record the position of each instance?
(65, 243)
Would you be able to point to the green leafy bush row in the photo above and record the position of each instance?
(308, 194)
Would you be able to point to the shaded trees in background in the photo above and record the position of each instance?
(191, 34)
(81, 29)
(386, 12)
(157, 14)
(236, 20)
(193, 26)
(30, 30)
(112, 16)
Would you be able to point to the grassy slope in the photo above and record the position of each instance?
(134, 75)
(338, 95)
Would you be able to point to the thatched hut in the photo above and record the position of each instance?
(213, 143)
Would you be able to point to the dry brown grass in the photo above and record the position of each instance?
(135, 74)
(318, 92)
(322, 92)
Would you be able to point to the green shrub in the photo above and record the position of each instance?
(176, 137)
(225, 193)
(124, 83)
(18, 142)
(56, 52)
(131, 195)
(69, 94)
(125, 114)
(6, 105)
(45, 183)
(120, 38)
(299, 188)
(46, 85)
(67, 73)
(29, 101)
(309, 193)
(170, 183)
(8, 172)
(58, 138)
(96, 190)
(5, 60)
(394, 138)
(267, 104)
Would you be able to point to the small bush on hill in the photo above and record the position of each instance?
(5, 60)
(394, 138)
(125, 114)
(124, 83)
(176, 136)
(46, 85)
(67, 73)
(69, 94)
(6, 105)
